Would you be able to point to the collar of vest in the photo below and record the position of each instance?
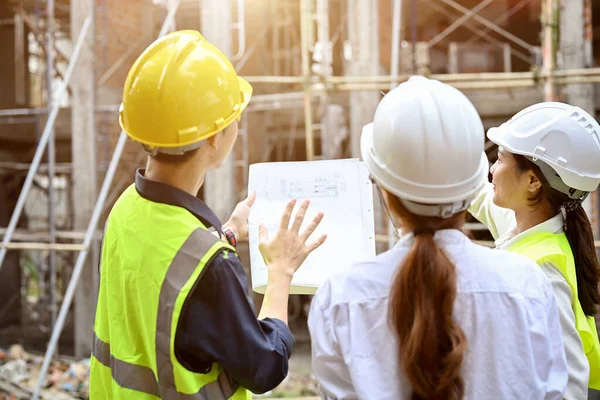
(166, 194)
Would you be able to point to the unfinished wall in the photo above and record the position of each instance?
(14, 84)
(432, 17)
(14, 93)
(126, 29)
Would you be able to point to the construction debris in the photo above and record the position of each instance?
(68, 378)
(14, 371)
(19, 371)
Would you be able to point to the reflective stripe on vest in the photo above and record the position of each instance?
(128, 376)
(141, 379)
(180, 271)
(555, 249)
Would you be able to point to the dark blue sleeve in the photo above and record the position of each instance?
(218, 324)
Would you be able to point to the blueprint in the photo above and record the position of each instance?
(341, 189)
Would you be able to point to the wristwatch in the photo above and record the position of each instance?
(230, 237)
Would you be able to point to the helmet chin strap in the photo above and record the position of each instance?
(386, 208)
(556, 182)
(177, 151)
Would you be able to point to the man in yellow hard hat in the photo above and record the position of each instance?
(174, 320)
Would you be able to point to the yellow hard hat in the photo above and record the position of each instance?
(180, 91)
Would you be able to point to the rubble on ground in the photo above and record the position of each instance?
(67, 379)
(297, 385)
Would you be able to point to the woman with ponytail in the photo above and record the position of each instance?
(548, 163)
(436, 317)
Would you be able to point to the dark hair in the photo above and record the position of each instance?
(580, 235)
(431, 343)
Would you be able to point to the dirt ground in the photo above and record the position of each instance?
(300, 381)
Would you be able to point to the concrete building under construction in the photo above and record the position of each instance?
(318, 68)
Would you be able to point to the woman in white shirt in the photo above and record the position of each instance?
(437, 316)
(548, 162)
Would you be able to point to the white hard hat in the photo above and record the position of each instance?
(560, 136)
(426, 146)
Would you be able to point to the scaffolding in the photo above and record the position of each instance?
(302, 62)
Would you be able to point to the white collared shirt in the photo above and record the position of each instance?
(502, 224)
(504, 305)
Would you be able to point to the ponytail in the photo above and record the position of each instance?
(581, 238)
(580, 235)
(431, 344)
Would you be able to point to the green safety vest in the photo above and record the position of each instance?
(553, 248)
(152, 256)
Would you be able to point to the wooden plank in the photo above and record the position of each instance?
(42, 235)
(16, 391)
(43, 246)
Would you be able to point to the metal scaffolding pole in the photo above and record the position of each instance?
(110, 173)
(23, 111)
(549, 27)
(240, 26)
(43, 110)
(51, 163)
(305, 28)
(328, 131)
(413, 35)
(396, 32)
(43, 142)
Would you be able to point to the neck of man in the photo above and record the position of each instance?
(528, 217)
(188, 176)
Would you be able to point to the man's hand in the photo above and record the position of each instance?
(238, 222)
(284, 254)
(287, 250)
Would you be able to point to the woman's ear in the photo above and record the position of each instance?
(534, 183)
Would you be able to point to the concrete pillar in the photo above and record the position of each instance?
(83, 145)
(219, 185)
(363, 33)
(575, 51)
(334, 131)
